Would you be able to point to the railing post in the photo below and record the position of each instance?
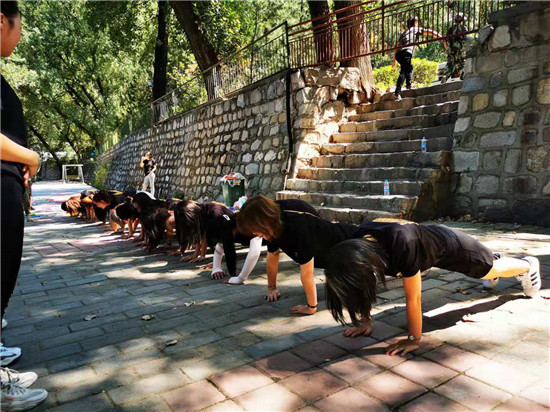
(287, 44)
(383, 28)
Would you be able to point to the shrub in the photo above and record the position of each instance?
(101, 174)
(425, 72)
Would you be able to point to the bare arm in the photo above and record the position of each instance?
(395, 54)
(308, 282)
(272, 270)
(13, 152)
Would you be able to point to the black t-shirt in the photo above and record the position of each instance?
(218, 222)
(148, 165)
(306, 236)
(12, 125)
(412, 248)
(297, 205)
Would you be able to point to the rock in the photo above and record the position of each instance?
(465, 184)
(271, 155)
(480, 102)
(487, 63)
(297, 81)
(472, 84)
(351, 80)
(521, 74)
(538, 159)
(500, 97)
(255, 96)
(546, 188)
(484, 33)
(487, 185)
(311, 76)
(251, 169)
(487, 120)
(240, 100)
(496, 79)
(511, 58)
(304, 95)
(529, 137)
(509, 118)
(333, 111)
(491, 160)
(513, 158)
(465, 161)
(520, 184)
(498, 139)
(462, 124)
(255, 145)
(463, 104)
(247, 157)
(543, 91)
(500, 38)
(521, 95)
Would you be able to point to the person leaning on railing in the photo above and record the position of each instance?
(405, 51)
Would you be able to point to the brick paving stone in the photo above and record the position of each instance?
(538, 394)
(226, 406)
(237, 381)
(282, 364)
(350, 344)
(193, 397)
(154, 404)
(308, 409)
(472, 393)
(351, 368)
(376, 353)
(432, 402)
(313, 384)
(318, 351)
(96, 403)
(424, 372)
(455, 358)
(390, 388)
(353, 400)
(203, 369)
(502, 376)
(271, 346)
(383, 331)
(270, 398)
(519, 404)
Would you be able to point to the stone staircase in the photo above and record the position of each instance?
(383, 141)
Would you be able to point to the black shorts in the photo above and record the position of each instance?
(468, 256)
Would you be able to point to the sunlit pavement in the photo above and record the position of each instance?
(77, 314)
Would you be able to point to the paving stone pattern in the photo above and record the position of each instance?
(234, 351)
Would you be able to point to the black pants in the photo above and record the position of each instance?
(13, 224)
(405, 75)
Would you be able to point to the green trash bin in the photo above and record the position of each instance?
(232, 188)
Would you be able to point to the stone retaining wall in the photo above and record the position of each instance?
(502, 135)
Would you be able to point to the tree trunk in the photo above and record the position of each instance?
(353, 41)
(322, 36)
(161, 52)
(47, 146)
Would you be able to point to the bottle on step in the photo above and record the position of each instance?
(424, 145)
(386, 188)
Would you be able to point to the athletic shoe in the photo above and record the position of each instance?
(492, 283)
(398, 97)
(530, 281)
(16, 398)
(24, 379)
(4, 323)
(8, 355)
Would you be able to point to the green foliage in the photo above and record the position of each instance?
(425, 72)
(100, 175)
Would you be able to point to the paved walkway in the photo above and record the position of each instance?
(77, 314)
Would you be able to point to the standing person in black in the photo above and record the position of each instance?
(149, 167)
(18, 165)
(404, 54)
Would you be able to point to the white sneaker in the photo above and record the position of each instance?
(8, 355)
(16, 398)
(490, 283)
(4, 323)
(530, 281)
(23, 379)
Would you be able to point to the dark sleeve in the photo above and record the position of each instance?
(272, 247)
(406, 253)
(230, 254)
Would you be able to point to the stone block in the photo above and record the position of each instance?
(546, 134)
(512, 162)
(538, 159)
(462, 124)
(500, 38)
(311, 76)
(546, 188)
(463, 105)
(255, 97)
(472, 84)
(333, 110)
(304, 95)
(464, 184)
(511, 58)
(496, 79)
(509, 118)
(465, 161)
(486, 63)
(530, 117)
(500, 97)
(487, 185)
(484, 33)
(480, 102)
(487, 120)
(520, 184)
(492, 203)
(522, 74)
(529, 137)
(491, 160)
(240, 100)
(543, 91)
(521, 95)
(251, 169)
(498, 139)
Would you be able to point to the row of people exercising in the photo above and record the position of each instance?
(355, 258)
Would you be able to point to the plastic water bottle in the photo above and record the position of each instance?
(386, 188)
(424, 145)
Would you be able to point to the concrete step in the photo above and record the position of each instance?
(439, 88)
(391, 135)
(434, 144)
(399, 204)
(408, 102)
(352, 215)
(403, 159)
(367, 174)
(439, 108)
(373, 187)
(399, 122)
(430, 99)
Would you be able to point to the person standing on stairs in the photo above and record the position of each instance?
(405, 51)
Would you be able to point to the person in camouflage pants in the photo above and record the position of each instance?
(456, 52)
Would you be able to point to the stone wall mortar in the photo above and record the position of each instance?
(502, 136)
